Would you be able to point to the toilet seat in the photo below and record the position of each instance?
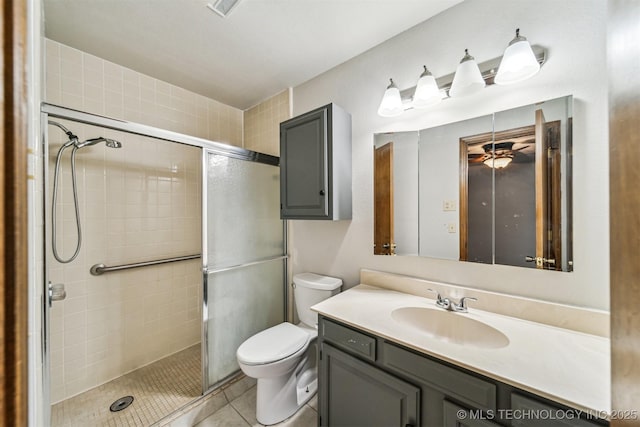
(273, 344)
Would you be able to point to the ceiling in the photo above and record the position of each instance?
(261, 48)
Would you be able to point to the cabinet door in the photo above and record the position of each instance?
(457, 416)
(303, 166)
(354, 394)
(531, 413)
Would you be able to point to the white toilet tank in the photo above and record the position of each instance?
(309, 290)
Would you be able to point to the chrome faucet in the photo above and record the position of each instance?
(449, 305)
(461, 307)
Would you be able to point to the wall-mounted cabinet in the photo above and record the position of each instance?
(315, 165)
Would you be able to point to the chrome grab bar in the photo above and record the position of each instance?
(98, 269)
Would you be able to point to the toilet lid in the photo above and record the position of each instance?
(273, 344)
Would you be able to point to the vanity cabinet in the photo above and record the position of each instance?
(359, 394)
(365, 380)
(315, 165)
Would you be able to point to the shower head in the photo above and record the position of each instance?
(111, 143)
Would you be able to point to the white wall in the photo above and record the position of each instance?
(439, 181)
(573, 32)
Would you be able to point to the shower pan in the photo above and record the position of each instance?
(138, 293)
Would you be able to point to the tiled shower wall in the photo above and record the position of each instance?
(138, 202)
(85, 82)
(262, 124)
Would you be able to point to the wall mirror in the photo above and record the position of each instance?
(494, 189)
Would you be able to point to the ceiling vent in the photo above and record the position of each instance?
(223, 7)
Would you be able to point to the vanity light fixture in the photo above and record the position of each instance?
(427, 92)
(468, 79)
(519, 62)
(391, 104)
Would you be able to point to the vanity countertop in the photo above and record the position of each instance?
(565, 366)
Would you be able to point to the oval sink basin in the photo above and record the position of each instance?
(450, 327)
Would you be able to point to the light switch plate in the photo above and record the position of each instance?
(448, 205)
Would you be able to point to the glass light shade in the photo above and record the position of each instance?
(391, 104)
(427, 92)
(518, 63)
(498, 162)
(468, 79)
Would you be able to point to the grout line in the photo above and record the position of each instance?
(241, 416)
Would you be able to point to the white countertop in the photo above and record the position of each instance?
(562, 365)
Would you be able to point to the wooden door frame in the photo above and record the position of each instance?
(380, 250)
(13, 216)
(465, 142)
(624, 204)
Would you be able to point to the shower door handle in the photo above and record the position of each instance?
(56, 292)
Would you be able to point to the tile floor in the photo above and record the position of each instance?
(167, 394)
(159, 389)
(241, 412)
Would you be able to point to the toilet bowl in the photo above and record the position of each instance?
(283, 357)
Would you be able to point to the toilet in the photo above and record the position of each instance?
(283, 357)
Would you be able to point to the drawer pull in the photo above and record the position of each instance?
(352, 341)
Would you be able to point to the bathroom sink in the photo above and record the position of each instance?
(456, 328)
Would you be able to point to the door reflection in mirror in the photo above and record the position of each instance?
(494, 189)
(395, 189)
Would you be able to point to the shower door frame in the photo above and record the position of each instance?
(47, 111)
(265, 159)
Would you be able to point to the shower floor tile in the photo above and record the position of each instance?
(158, 390)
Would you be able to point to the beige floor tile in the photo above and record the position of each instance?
(246, 406)
(313, 402)
(238, 388)
(305, 417)
(225, 417)
(158, 390)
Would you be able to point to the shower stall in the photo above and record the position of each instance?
(163, 253)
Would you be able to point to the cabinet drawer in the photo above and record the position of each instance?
(530, 413)
(468, 389)
(350, 340)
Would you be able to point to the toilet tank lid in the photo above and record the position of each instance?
(316, 281)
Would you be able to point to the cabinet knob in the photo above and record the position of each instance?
(322, 192)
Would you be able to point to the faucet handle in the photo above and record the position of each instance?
(461, 307)
(441, 302)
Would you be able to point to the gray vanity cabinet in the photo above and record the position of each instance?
(359, 394)
(315, 165)
(365, 380)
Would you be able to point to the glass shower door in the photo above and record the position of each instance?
(244, 258)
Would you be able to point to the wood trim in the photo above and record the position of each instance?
(464, 200)
(13, 216)
(624, 205)
(383, 200)
(555, 196)
(465, 142)
(541, 187)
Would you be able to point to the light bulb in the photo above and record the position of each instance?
(427, 92)
(391, 104)
(468, 79)
(518, 62)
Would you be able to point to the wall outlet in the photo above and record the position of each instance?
(448, 205)
(451, 227)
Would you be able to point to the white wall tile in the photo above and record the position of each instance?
(139, 202)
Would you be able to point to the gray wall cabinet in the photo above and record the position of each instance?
(365, 380)
(315, 165)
